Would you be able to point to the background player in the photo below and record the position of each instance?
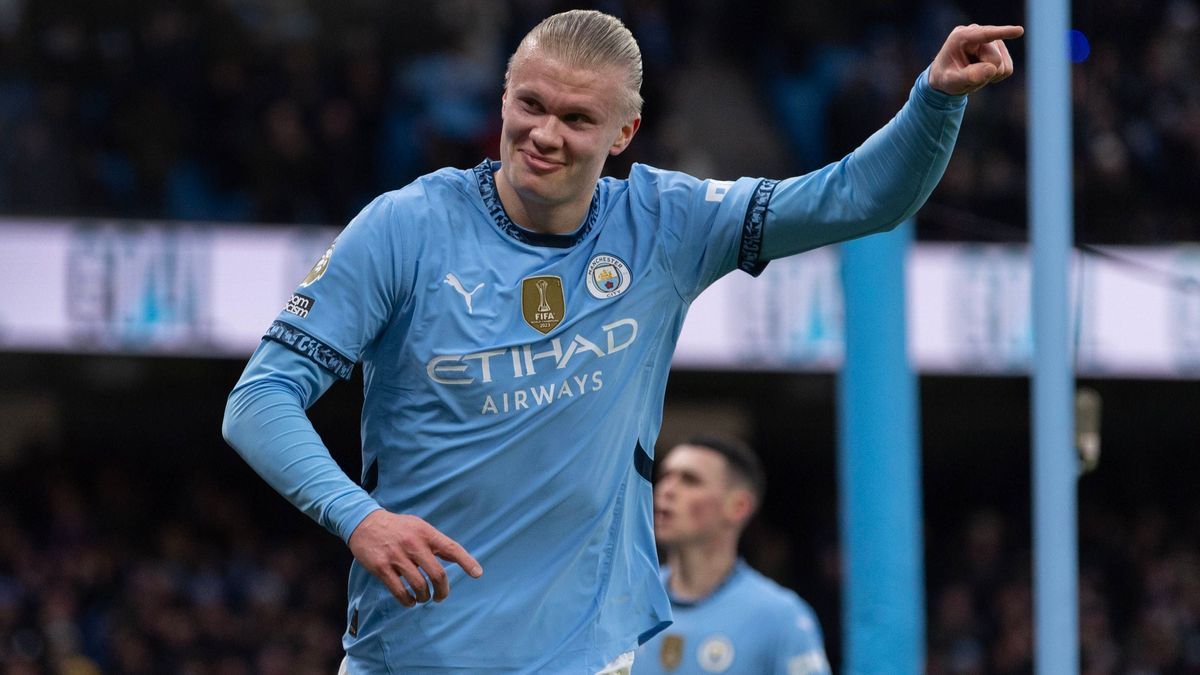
(728, 617)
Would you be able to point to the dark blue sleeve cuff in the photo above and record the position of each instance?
(308, 346)
(750, 251)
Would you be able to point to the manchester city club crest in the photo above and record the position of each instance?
(542, 302)
(671, 654)
(607, 276)
(715, 654)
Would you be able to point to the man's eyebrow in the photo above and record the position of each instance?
(685, 472)
(523, 92)
(586, 111)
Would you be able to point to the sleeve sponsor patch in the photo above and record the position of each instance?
(300, 305)
(306, 345)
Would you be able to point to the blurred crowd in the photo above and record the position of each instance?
(122, 565)
(116, 563)
(1139, 596)
(300, 111)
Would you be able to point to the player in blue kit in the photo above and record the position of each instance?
(515, 324)
(728, 618)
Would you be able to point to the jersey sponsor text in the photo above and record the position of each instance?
(525, 360)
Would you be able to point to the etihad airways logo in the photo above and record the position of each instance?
(529, 359)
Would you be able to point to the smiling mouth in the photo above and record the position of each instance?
(539, 163)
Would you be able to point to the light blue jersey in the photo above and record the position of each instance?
(749, 625)
(514, 384)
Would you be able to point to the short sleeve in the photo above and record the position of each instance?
(349, 295)
(802, 648)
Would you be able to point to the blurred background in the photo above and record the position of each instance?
(133, 540)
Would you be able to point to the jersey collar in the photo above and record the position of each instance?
(738, 567)
(485, 175)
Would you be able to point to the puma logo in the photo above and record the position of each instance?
(457, 285)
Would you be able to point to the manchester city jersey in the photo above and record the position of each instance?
(513, 393)
(513, 385)
(748, 626)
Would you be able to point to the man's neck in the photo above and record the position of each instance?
(540, 217)
(697, 570)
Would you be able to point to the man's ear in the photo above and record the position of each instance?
(740, 505)
(625, 136)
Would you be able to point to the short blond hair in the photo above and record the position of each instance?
(585, 38)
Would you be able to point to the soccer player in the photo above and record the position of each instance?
(515, 322)
(728, 617)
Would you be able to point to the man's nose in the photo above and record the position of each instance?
(663, 487)
(547, 134)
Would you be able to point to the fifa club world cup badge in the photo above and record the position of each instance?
(542, 302)
(671, 654)
(607, 276)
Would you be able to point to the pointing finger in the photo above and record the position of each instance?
(984, 34)
(448, 549)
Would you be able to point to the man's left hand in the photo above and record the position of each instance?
(973, 57)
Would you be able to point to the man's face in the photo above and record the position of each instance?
(560, 124)
(693, 497)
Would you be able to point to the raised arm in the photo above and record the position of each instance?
(887, 178)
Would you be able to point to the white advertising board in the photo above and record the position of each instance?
(210, 290)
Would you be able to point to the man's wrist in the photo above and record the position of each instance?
(354, 516)
(936, 98)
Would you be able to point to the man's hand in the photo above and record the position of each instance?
(973, 57)
(394, 547)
